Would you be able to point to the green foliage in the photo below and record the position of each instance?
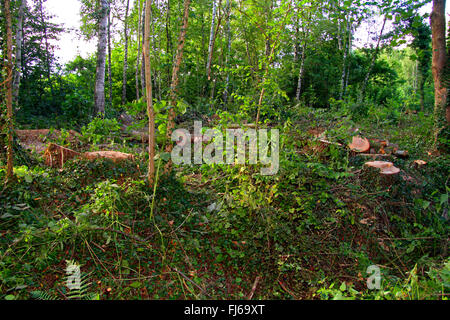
(101, 130)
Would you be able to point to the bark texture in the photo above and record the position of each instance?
(149, 95)
(438, 24)
(99, 95)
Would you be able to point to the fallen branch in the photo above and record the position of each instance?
(255, 285)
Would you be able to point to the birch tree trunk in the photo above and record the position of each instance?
(302, 68)
(138, 58)
(125, 59)
(19, 43)
(149, 95)
(143, 40)
(47, 48)
(9, 93)
(300, 75)
(109, 59)
(438, 27)
(346, 47)
(372, 63)
(168, 42)
(99, 94)
(211, 40)
(175, 78)
(227, 59)
(349, 52)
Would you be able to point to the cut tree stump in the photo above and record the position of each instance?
(359, 145)
(381, 173)
(384, 167)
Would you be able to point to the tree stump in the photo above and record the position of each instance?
(381, 174)
(359, 145)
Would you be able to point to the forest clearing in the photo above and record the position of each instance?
(225, 150)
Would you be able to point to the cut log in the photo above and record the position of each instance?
(359, 145)
(401, 154)
(115, 156)
(378, 146)
(57, 156)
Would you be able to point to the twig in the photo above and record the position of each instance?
(418, 238)
(255, 285)
(287, 290)
(122, 233)
(195, 284)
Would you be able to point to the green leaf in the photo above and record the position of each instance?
(444, 198)
(136, 285)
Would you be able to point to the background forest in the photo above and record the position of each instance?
(323, 72)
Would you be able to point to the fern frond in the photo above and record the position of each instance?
(42, 295)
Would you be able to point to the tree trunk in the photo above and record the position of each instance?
(302, 67)
(344, 63)
(168, 42)
(349, 52)
(143, 64)
(138, 58)
(227, 59)
(109, 59)
(270, 57)
(19, 43)
(9, 93)
(438, 24)
(374, 58)
(47, 48)
(99, 95)
(125, 58)
(175, 78)
(211, 41)
(149, 95)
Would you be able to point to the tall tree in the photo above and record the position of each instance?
(109, 59)
(125, 58)
(173, 95)
(47, 46)
(19, 43)
(101, 58)
(362, 91)
(149, 95)
(421, 45)
(211, 40)
(227, 58)
(9, 91)
(438, 24)
(302, 65)
(138, 58)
